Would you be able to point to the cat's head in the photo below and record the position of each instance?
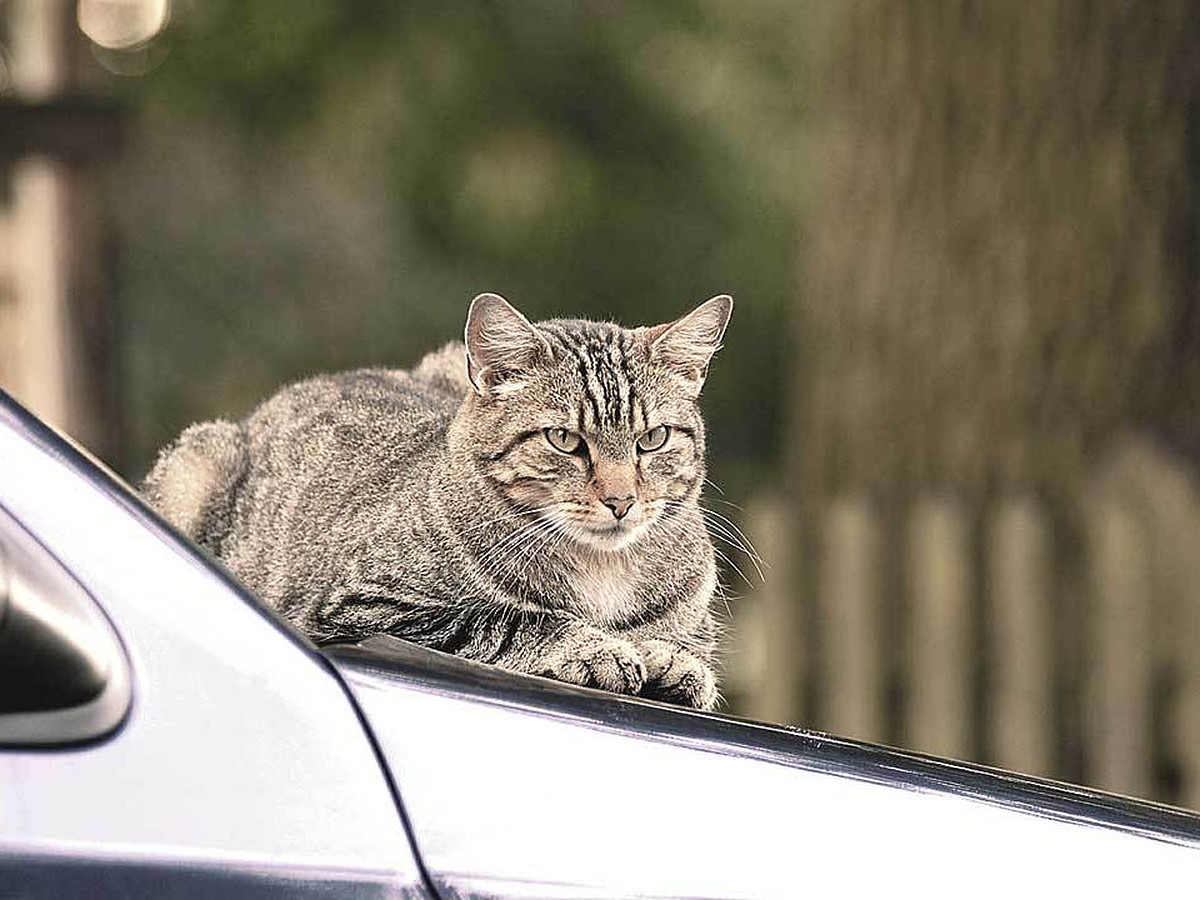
(595, 425)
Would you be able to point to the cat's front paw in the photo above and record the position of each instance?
(592, 658)
(677, 676)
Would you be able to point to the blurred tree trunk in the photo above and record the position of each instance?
(1006, 250)
(1170, 385)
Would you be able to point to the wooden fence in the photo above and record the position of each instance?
(997, 631)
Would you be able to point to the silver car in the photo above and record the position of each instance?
(163, 735)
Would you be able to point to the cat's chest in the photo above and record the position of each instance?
(606, 592)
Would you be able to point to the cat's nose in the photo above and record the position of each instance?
(618, 505)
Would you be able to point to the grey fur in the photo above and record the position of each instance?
(432, 504)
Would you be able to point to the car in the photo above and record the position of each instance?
(162, 734)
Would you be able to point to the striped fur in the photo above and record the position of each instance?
(434, 505)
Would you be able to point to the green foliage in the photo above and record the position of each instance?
(339, 178)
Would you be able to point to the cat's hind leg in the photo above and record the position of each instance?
(194, 483)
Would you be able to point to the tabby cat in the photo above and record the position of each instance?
(529, 500)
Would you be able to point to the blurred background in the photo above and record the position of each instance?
(957, 409)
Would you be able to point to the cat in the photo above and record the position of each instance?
(527, 498)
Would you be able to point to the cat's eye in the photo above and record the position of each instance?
(653, 439)
(562, 440)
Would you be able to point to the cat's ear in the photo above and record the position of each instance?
(501, 343)
(687, 344)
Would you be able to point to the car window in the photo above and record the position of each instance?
(64, 677)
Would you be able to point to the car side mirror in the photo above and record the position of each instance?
(64, 677)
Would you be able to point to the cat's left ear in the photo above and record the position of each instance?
(501, 344)
(686, 345)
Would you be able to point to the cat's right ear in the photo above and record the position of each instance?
(502, 344)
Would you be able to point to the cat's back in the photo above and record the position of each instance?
(368, 414)
(358, 400)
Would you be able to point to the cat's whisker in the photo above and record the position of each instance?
(719, 490)
(728, 530)
(732, 524)
(520, 555)
(500, 563)
(718, 529)
(547, 543)
(728, 503)
(720, 592)
(724, 557)
(503, 543)
(734, 533)
(677, 530)
(532, 539)
(736, 546)
(492, 560)
(546, 548)
(729, 537)
(529, 511)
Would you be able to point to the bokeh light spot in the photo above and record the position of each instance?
(122, 24)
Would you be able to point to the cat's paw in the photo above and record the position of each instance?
(677, 676)
(594, 659)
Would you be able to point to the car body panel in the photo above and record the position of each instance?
(250, 765)
(242, 752)
(574, 791)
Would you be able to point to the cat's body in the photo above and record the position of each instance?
(435, 504)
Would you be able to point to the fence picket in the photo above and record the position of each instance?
(1019, 634)
(1118, 723)
(769, 665)
(849, 609)
(940, 662)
